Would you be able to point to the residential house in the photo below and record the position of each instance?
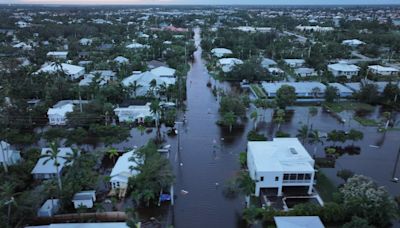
(298, 222)
(123, 169)
(143, 81)
(155, 63)
(84, 199)
(294, 63)
(353, 43)
(49, 208)
(163, 71)
(221, 52)
(384, 71)
(47, 170)
(275, 71)
(302, 89)
(227, 64)
(315, 28)
(8, 155)
(58, 114)
(135, 45)
(279, 164)
(343, 69)
(305, 72)
(85, 41)
(74, 72)
(121, 60)
(105, 76)
(57, 54)
(267, 63)
(134, 113)
(343, 91)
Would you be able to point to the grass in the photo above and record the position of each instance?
(325, 187)
(366, 122)
(258, 91)
(342, 106)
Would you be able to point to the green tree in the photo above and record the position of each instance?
(302, 133)
(364, 198)
(254, 117)
(368, 93)
(279, 118)
(229, 119)
(357, 222)
(331, 94)
(285, 96)
(112, 153)
(53, 155)
(315, 139)
(355, 135)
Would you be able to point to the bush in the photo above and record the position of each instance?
(281, 134)
(254, 136)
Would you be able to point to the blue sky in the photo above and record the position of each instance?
(214, 2)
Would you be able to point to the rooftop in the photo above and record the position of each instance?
(298, 222)
(49, 167)
(280, 154)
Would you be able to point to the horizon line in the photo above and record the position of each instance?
(180, 4)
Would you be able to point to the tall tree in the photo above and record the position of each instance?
(285, 96)
(52, 155)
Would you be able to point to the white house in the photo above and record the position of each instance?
(343, 69)
(74, 72)
(294, 62)
(266, 63)
(221, 52)
(85, 41)
(298, 222)
(144, 79)
(84, 199)
(384, 71)
(305, 72)
(57, 54)
(49, 208)
(227, 64)
(134, 113)
(105, 76)
(48, 170)
(163, 71)
(121, 60)
(315, 28)
(302, 89)
(275, 71)
(343, 91)
(122, 171)
(353, 42)
(8, 155)
(280, 163)
(58, 115)
(135, 45)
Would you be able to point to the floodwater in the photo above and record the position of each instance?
(209, 154)
(207, 159)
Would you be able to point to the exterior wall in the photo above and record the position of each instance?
(384, 73)
(83, 203)
(118, 184)
(348, 74)
(57, 120)
(268, 180)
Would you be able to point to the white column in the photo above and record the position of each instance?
(280, 190)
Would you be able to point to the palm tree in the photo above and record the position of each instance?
(155, 110)
(7, 194)
(302, 133)
(153, 85)
(314, 138)
(280, 117)
(162, 89)
(112, 154)
(141, 128)
(133, 88)
(53, 155)
(254, 117)
(229, 120)
(71, 157)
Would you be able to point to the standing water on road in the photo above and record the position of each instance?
(206, 159)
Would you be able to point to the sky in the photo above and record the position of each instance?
(211, 2)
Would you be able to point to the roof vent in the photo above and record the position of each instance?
(293, 150)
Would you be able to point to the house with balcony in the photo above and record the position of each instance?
(280, 164)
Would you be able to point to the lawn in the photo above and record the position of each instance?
(342, 106)
(325, 187)
(258, 91)
(366, 122)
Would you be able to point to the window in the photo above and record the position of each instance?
(300, 176)
(293, 176)
(286, 177)
(307, 176)
(261, 178)
(276, 178)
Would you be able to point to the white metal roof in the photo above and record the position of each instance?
(67, 68)
(280, 155)
(122, 167)
(163, 71)
(341, 88)
(49, 167)
(230, 61)
(57, 53)
(341, 66)
(298, 222)
(380, 68)
(300, 87)
(62, 110)
(219, 52)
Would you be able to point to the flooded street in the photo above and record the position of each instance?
(207, 158)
